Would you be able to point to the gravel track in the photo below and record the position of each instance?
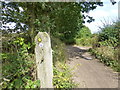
(88, 72)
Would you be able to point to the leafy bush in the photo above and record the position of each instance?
(19, 67)
(84, 32)
(106, 47)
(83, 37)
(62, 77)
(59, 52)
(105, 59)
(84, 41)
(109, 35)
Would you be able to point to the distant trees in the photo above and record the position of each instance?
(84, 32)
(84, 37)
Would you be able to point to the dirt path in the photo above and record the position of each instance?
(88, 71)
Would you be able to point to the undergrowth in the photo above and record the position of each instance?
(84, 41)
(62, 77)
(107, 44)
(106, 60)
(83, 37)
(18, 67)
(59, 52)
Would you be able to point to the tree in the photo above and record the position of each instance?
(110, 35)
(48, 16)
(84, 32)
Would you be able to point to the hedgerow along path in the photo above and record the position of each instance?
(88, 72)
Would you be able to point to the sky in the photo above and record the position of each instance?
(105, 14)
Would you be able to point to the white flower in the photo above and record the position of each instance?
(40, 44)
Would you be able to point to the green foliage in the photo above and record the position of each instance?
(59, 53)
(83, 37)
(106, 60)
(106, 46)
(18, 67)
(84, 41)
(58, 19)
(84, 32)
(62, 77)
(109, 35)
(61, 20)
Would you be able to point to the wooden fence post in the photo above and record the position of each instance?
(44, 63)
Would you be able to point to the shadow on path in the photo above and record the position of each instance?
(90, 73)
(77, 52)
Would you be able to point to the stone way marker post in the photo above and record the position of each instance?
(44, 64)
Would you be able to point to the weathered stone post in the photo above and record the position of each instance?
(43, 54)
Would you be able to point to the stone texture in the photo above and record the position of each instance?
(44, 63)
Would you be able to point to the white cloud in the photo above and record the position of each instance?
(106, 14)
(99, 13)
(94, 26)
(115, 11)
